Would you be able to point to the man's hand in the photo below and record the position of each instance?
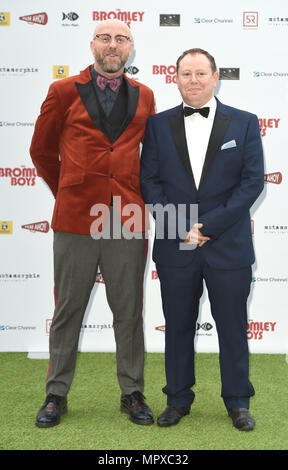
(195, 236)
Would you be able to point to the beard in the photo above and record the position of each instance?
(110, 66)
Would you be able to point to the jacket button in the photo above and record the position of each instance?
(198, 201)
(111, 149)
(111, 175)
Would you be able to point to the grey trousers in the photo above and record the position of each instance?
(122, 264)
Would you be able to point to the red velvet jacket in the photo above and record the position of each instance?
(91, 167)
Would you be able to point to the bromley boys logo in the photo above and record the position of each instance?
(36, 18)
(168, 71)
(275, 178)
(127, 16)
(20, 176)
(269, 123)
(154, 274)
(37, 227)
(257, 329)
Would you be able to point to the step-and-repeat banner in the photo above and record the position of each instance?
(44, 41)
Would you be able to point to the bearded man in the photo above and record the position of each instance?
(86, 148)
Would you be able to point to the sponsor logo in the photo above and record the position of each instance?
(169, 20)
(17, 71)
(275, 178)
(4, 18)
(229, 73)
(127, 16)
(160, 328)
(99, 278)
(203, 329)
(6, 227)
(250, 19)
(269, 279)
(36, 18)
(16, 328)
(60, 71)
(154, 274)
(69, 19)
(72, 16)
(168, 71)
(132, 70)
(200, 326)
(85, 328)
(221, 21)
(90, 328)
(20, 176)
(274, 229)
(269, 123)
(278, 21)
(256, 330)
(18, 276)
(276, 74)
(16, 124)
(37, 227)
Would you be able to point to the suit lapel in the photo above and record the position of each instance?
(219, 128)
(179, 136)
(92, 105)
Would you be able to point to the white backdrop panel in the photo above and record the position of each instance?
(249, 42)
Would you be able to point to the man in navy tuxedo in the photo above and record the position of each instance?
(205, 153)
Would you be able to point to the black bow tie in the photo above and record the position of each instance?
(203, 111)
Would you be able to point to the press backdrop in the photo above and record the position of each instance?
(42, 41)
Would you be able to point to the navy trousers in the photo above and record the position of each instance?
(228, 290)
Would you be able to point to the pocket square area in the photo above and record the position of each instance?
(229, 145)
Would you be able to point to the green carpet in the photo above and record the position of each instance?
(94, 420)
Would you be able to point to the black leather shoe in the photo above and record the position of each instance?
(242, 419)
(49, 414)
(135, 406)
(172, 415)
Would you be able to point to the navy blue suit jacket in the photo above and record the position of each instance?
(231, 181)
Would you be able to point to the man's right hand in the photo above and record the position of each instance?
(195, 236)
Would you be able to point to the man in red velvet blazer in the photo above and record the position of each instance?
(86, 148)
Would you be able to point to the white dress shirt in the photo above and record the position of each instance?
(198, 130)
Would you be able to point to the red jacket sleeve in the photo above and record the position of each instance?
(44, 149)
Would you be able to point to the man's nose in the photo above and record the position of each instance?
(194, 78)
(113, 43)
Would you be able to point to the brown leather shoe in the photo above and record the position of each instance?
(49, 414)
(135, 406)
